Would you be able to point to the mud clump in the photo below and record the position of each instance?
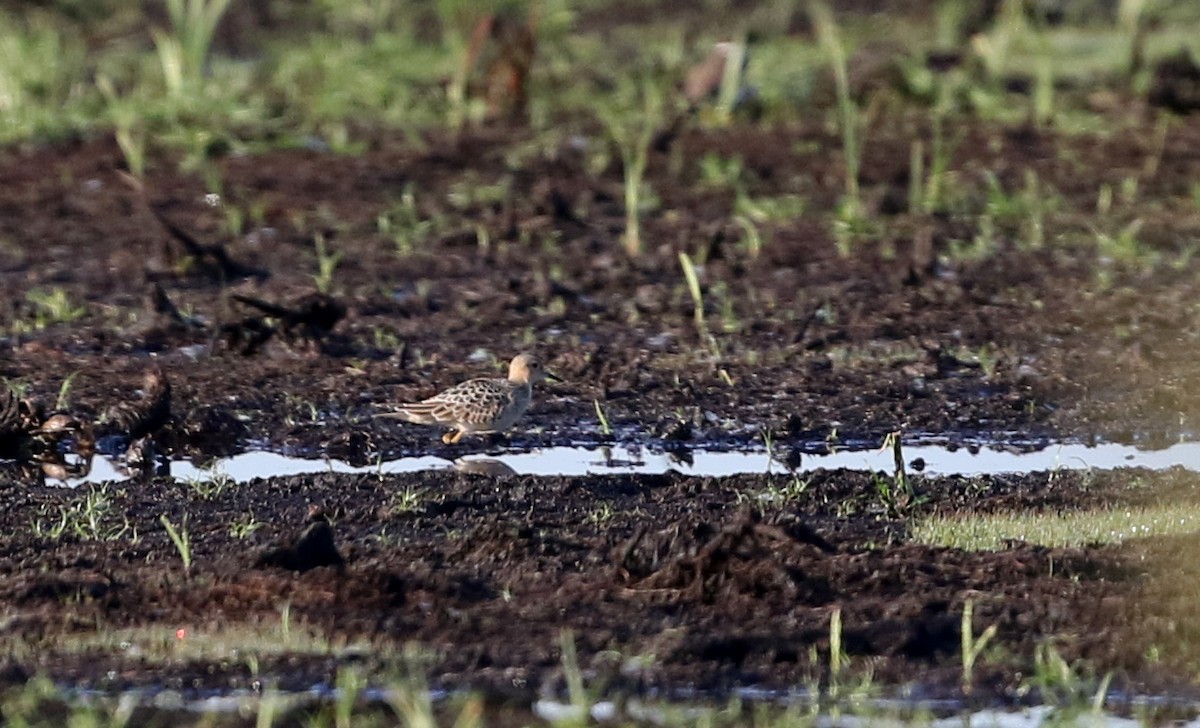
(303, 324)
(695, 560)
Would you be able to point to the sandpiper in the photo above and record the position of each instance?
(150, 412)
(479, 406)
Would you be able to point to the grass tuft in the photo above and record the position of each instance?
(990, 531)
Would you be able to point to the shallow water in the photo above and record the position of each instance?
(865, 711)
(571, 461)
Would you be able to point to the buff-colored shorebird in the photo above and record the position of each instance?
(479, 406)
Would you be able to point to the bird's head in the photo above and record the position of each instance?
(528, 369)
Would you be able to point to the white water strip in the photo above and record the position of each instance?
(938, 460)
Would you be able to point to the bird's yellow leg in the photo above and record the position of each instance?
(452, 438)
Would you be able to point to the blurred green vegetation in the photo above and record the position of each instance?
(181, 82)
(269, 72)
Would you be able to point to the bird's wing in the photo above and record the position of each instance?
(10, 414)
(476, 401)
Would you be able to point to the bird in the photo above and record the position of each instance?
(479, 406)
(141, 419)
(20, 420)
(147, 414)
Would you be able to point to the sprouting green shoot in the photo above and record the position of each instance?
(972, 646)
(327, 262)
(183, 52)
(180, 538)
(64, 392)
(693, 284)
(827, 33)
(604, 426)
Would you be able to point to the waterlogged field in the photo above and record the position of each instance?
(247, 225)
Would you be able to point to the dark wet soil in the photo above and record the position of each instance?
(665, 582)
(1060, 340)
(458, 251)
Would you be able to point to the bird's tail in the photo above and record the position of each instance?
(420, 413)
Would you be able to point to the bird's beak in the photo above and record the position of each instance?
(553, 377)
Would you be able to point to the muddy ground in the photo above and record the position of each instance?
(1063, 340)
(670, 585)
(511, 243)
